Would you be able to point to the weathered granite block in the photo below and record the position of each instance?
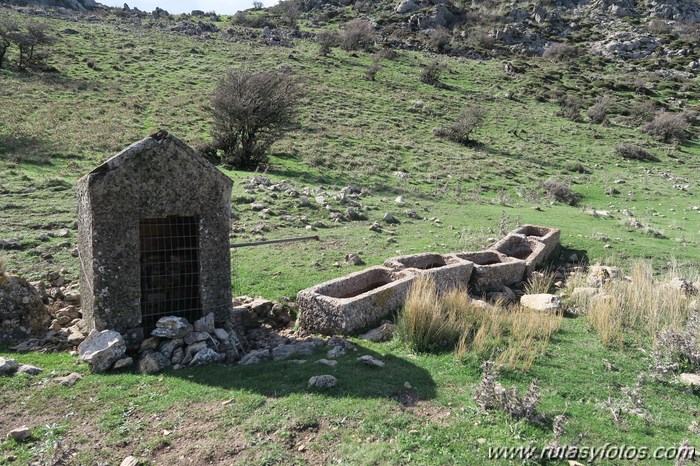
(447, 270)
(355, 302)
(522, 247)
(492, 270)
(548, 236)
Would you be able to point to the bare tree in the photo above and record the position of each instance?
(29, 41)
(7, 28)
(249, 111)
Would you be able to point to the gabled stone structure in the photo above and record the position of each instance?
(153, 237)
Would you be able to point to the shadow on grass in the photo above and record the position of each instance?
(282, 378)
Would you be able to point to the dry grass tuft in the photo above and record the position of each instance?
(540, 282)
(514, 337)
(641, 306)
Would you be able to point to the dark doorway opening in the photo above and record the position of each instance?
(169, 269)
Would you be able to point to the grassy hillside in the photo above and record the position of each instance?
(117, 82)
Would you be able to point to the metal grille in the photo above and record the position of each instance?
(169, 269)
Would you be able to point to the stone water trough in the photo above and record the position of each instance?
(522, 247)
(547, 236)
(493, 269)
(447, 270)
(354, 302)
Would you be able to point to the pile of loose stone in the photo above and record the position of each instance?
(174, 343)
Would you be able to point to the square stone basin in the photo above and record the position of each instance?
(447, 270)
(548, 236)
(355, 302)
(493, 269)
(522, 247)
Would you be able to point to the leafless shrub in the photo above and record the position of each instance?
(258, 5)
(480, 38)
(326, 40)
(598, 112)
(633, 152)
(438, 40)
(470, 119)
(8, 27)
(249, 110)
(658, 26)
(431, 74)
(29, 41)
(490, 394)
(632, 402)
(570, 108)
(560, 191)
(358, 34)
(371, 72)
(560, 53)
(668, 127)
(677, 351)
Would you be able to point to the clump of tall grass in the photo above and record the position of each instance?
(540, 282)
(513, 336)
(641, 306)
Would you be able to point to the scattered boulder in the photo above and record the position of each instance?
(354, 259)
(8, 366)
(384, 332)
(541, 302)
(196, 336)
(68, 380)
(172, 327)
(129, 460)
(406, 6)
(150, 343)
(389, 218)
(371, 361)
(29, 369)
(22, 311)
(20, 434)
(305, 348)
(102, 349)
(322, 381)
(690, 379)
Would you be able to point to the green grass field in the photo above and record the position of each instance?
(55, 127)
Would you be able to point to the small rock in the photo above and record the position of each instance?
(541, 302)
(8, 366)
(690, 379)
(376, 227)
(336, 352)
(122, 363)
(399, 200)
(354, 259)
(194, 337)
(206, 356)
(327, 362)
(178, 356)
(150, 344)
(129, 460)
(205, 324)
(255, 357)
(382, 333)
(168, 347)
(193, 349)
(20, 434)
(29, 370)
(389, 218)
(221, 334)
(371, 361)
(322, 381)
(172, 327)
(152, 362)
(102, 349)
(683, 285)
(68, 380)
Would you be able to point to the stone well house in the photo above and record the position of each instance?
(153, 229)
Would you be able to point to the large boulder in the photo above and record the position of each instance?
(172, 327)
(22, 312)
(541, 302)
(102, 349)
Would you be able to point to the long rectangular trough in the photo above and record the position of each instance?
(548, 236)
(355, 302)
(447, 270)
(492, 270)
(522, 247)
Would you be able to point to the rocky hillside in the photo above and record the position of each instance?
(75, 5)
